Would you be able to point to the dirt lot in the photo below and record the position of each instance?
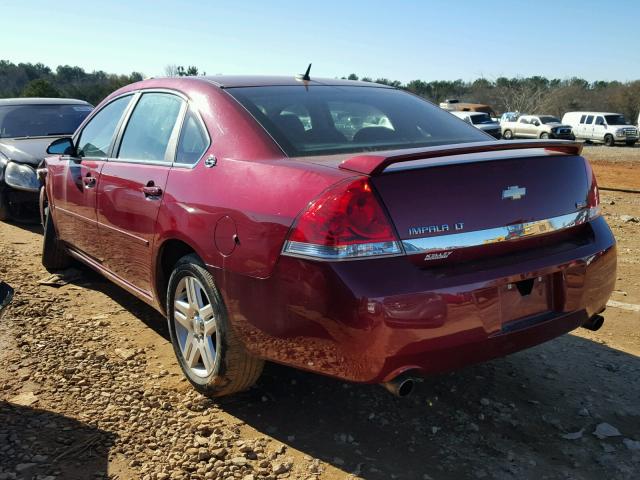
(89, 389)
(615, 167)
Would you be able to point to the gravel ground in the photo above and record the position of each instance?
(89, 389)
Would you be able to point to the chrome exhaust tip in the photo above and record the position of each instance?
(594, 323)
(401, 386)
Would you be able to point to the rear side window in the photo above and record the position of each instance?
(193, 140)
(343, 119)
(583, 118)
(97, 135)
(150, 126)
(589, 120)
(524, 120)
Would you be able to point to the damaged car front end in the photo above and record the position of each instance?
(27, 127)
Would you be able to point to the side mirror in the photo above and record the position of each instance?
(536, 123)
(62, 146)
(6, 295)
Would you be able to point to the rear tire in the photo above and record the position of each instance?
(609, 141)
(507, 135)
(544, 136)
(54, 255)
(209, 353)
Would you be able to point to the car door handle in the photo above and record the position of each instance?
(89, 182)
(151, 191)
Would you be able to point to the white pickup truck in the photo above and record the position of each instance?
(536, 126)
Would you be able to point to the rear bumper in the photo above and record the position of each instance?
(370, 320)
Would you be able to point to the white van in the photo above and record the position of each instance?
(601, 127)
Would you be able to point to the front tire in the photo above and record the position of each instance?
(609, 141)
(4, 208)
(544, 136)
(54, 255)
(507, 135)
(209, 353)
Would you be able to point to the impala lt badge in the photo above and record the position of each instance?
(514, 192)
(436, 229)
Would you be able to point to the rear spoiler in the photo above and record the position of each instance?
(373, 164)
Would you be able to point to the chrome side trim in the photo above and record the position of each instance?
(507, 233)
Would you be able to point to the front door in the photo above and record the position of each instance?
(599, 128)
(75, 179)
(132, 185)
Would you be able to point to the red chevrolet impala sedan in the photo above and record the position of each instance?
(345, 228)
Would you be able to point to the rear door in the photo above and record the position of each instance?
(75, 180)
(133, 182)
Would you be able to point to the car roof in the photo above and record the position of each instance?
(42, 101)
(231, 81)
(594, 113)
(464, 112)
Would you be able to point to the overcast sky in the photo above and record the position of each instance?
(403, 40)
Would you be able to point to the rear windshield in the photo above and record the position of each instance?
(41, 120)
(480, 119)
(320, 120)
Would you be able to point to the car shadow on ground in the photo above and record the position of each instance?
(501, 419)
(148, 315)
(30, 225)
(37, 443)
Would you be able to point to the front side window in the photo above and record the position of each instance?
(97, 135)
(193, 140)
(345, 119)
(599, 121)
(583, 118)
(149, 129)
(480, 119)
(41, 120)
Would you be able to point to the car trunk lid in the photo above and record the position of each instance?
(483, 201)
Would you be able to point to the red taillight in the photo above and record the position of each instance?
(593, 197)
(346, 221)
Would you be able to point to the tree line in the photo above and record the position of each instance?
(535, 95)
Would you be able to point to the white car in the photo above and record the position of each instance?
(481, 121)
(601, 127)
(536, 126)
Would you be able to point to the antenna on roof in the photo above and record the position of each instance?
(306, 76)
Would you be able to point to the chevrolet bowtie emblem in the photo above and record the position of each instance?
(514, 192)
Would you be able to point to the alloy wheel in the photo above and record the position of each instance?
(195, 326)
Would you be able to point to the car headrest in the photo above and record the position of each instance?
(374, 134)
(291, 124)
